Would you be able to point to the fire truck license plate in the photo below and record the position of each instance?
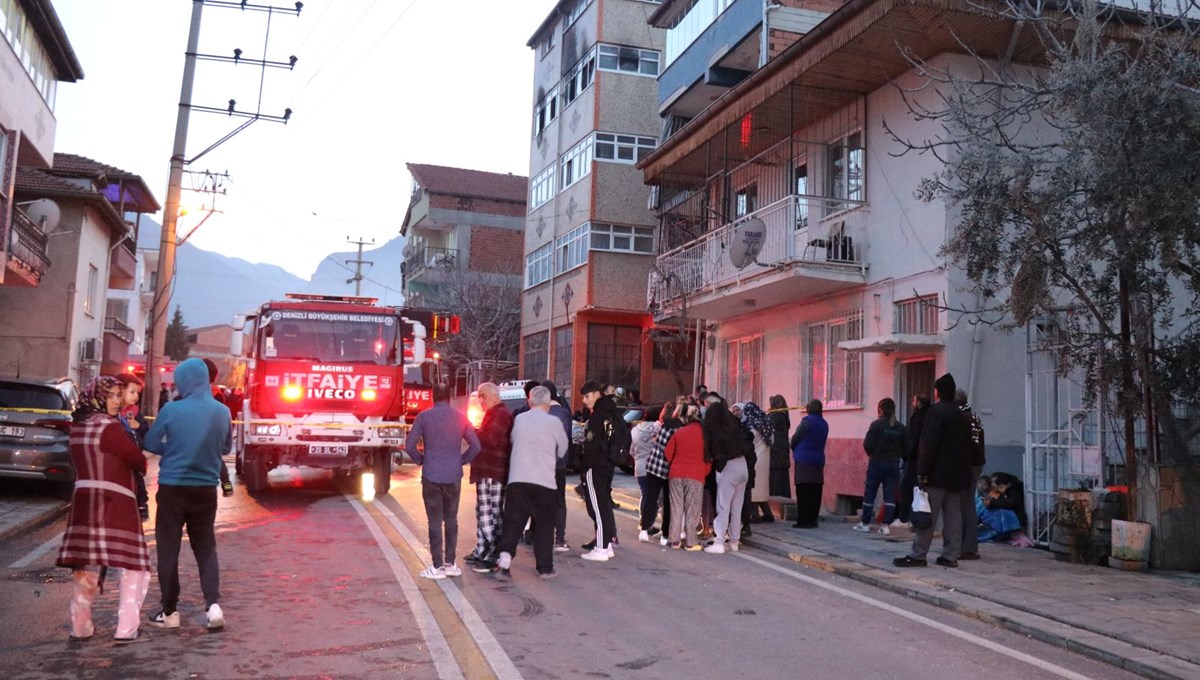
(315, 450)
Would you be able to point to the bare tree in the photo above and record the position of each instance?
(488, 305)
(1077, 184)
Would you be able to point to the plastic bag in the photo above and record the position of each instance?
(921, 515)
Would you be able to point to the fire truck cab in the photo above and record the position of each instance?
(324, 386)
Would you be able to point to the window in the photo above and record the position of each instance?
(623, 148)
(615, 355)
(537, 354)
(628, 60)
(16, 28)
(89, 300)
(835, 375)
(577, 162)
(572, 249)
(746, 200)
(537, 266)
(579, 79)
(545, 111)
(917, 315)
(802, 190)
(743, 369)
(622, 238)
(541, 187)
(547, 44)
(845, 171)
(575, 11)
(564, 343)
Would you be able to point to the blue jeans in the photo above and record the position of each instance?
(887, 474)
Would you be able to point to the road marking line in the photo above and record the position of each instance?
(950, 630)
(37, 552)
(435, 642)
(501, 664)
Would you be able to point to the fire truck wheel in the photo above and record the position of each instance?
(382, 468)
(255, 465)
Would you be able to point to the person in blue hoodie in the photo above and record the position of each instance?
(191, 435)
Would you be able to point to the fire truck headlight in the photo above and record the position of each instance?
(369, 395)
(391, 432)
(292, 392)
(267, 430)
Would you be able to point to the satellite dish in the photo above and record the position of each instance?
(747, 243)
(45, 213)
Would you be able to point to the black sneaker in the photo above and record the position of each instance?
(227, 488)
(546, 575)
(654, 531)
(907, 561)
(589, 545)
(472, 559)
(943, 562)
(483, 567)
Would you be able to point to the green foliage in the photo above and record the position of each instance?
(176, 345)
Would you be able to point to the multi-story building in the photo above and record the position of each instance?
(463, 253)
(68, 326)
(848, 298)
(589, 236)
(35, 56)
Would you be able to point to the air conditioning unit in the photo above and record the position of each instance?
(89, 350)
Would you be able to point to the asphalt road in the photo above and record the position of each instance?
(318, 584)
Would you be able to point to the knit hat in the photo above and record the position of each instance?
(945, 385)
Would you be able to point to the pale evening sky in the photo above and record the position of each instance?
(377, 84)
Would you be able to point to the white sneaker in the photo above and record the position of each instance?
(432, 572)
(216, 617)
(885, 530)
(505, 561)
(450, 570)
(897, 524)
(715, 548)
(611, 552)
(598, 554)
(644, 536)
(733, 547)
(663, 541)
(163, 620)
(861, 528)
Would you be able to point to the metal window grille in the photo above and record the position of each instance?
(537, 354)
(834, 374)
(916, 316)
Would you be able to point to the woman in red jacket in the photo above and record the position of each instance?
(103, 529)
(685, 454)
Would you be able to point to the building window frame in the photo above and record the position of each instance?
(614, 147)
(743, 368)
(622, 238)
(631, 60)
(93, 281)
(575, 11)
(536, 352)
(917, 315)
(571, 249)
(564, 348)
(545, 111)
(576, 162)
(615, 354)
(579, 79)
(845, 169)
(542, 188)
(538, 266)
(834, 375)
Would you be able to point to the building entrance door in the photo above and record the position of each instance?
(916, 377)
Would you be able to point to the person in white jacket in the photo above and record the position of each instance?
(643, 435)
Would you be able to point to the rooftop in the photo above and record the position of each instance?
(439, 179)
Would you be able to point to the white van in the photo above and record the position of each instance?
(512, 394)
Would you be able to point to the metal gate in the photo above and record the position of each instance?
(1065, 438)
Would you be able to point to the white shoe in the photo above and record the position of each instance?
(663, 541)
(216, 617)
(598, 555)
(733, 547)
(715, 548)
(897, 524)
(611, 552)
(562, 547)
(861, 528)
(884, 530)
(450, 570)
(505, 561)
(644, 536)
(432, 572)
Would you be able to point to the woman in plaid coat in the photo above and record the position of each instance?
(103, 528)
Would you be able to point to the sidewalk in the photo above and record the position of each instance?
(20, 513)
(1147, 623)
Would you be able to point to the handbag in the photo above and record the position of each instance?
(921, 515)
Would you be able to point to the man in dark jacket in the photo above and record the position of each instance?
(970, 540)
(944, 472)
(916, 422)
(489, 473)
(598, 468)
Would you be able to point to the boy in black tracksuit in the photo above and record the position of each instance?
(598, 469)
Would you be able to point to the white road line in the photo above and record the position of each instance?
(439, 649)
(37, 552)
(950, 630)
(501, 664)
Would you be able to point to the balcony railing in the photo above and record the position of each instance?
(429, 257)
(28, 244)
(117, 328)
(813, 231)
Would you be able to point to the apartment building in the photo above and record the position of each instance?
(846, 299)
(35, 56)
(589, 234)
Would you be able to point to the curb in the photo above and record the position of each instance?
(1092, 644)
(49, 514)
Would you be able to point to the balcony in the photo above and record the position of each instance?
(27, 256)
(122, 266)
(812, 246)
(118, 329)
(425, 259)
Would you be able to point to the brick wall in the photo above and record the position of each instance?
(495, 250)
(481, 205)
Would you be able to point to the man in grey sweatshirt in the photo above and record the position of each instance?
(443, 429)
(538, 441)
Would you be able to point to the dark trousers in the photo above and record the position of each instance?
(441, 509)
(560, 507)
(885, 473)
(194, 507)
(808, 504)
(599, 500)
(908, 480)
(654, 489)
(522, 502)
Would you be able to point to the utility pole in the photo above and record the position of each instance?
(358, 263)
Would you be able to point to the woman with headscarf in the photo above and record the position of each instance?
(687, 470)
(103, 528)
(808, 450)
(762, 430)
(781, 458)
(726, 446)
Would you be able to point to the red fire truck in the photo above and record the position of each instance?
(325, 386)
